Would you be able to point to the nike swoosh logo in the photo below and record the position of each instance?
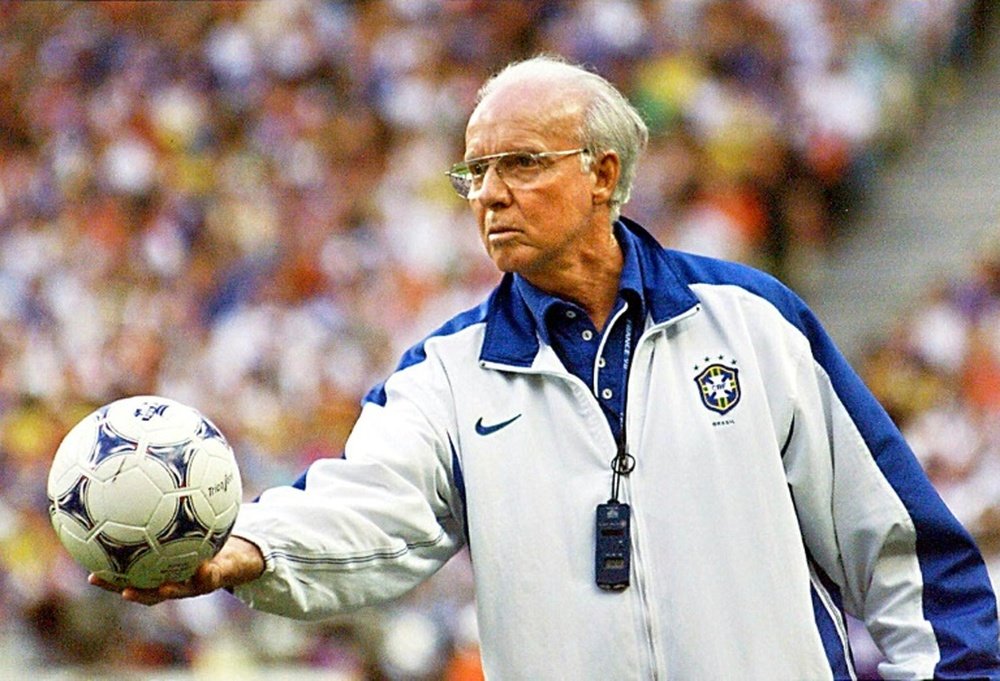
(486, 430)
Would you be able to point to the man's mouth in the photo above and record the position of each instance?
(500, 232)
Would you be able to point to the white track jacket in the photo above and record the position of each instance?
(771, 494)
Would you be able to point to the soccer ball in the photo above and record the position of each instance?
(143, 490)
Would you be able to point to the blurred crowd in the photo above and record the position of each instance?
(938, 374)
(243, 206)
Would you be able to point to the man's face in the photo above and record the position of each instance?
(539, 228)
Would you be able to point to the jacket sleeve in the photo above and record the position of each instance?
(368, 527)
(879, 532)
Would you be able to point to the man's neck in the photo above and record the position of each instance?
(591, 282)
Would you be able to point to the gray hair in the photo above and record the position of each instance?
(610, 122)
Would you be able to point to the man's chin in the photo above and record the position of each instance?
(507, 264)
(507, 259)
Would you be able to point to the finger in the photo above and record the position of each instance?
(208, 577)
(94, 580)
(164, 592)
(142, 596)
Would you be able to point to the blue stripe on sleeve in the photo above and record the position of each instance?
(835, 638)
(833, 644)
(460, 486)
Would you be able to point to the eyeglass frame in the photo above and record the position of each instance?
(457, 172)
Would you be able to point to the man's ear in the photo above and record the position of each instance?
(606, 169)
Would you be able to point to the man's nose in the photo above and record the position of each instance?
(493, 190)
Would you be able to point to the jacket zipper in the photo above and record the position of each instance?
(642, 587)
(644, 606)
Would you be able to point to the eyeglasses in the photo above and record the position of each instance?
(517, 169)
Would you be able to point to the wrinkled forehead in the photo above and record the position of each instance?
(528, 112)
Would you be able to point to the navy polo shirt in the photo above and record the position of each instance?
(598, 357)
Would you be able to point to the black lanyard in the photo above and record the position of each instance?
(613, 538)
(623, 462)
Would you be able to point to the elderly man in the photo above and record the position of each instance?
(661, 465)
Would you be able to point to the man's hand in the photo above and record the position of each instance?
(238, 562)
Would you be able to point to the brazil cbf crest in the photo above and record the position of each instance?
(719, 387)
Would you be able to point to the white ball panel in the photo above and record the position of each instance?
(73, 536)
(127, 495)
(174, 561)
(72, 450)
(218, 479)
(156, 419)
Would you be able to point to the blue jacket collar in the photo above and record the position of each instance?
(512, 335)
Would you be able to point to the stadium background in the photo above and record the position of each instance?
(243, 206)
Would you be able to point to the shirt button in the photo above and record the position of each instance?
(587, 334)
(570, 314)
(606, 393)
(600, 363)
